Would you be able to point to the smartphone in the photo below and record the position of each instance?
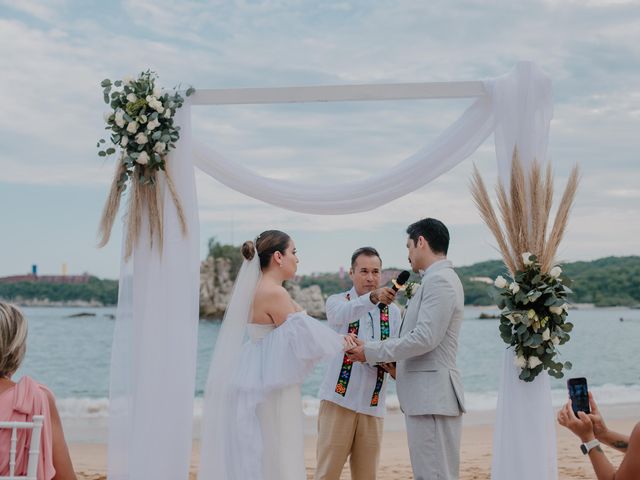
(579, 395)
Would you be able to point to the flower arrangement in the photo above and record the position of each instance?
(410, 288)
(533, 317)
(141, 125)
(533, 304)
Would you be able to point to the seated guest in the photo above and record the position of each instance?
(592, 431)
(20, 401)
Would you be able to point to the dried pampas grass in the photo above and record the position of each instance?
(525, 212)
(143, 197)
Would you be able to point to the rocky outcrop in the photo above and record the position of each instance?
(216, 286)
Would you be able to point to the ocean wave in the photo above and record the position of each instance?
(608, 394)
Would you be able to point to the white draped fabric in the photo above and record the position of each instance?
(154, 350)
(153, 359)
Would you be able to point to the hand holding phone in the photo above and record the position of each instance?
(579, 395)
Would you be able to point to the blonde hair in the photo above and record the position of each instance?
(13, 338)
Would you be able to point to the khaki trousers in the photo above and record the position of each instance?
(343, 433)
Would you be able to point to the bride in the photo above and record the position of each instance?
(253, 421)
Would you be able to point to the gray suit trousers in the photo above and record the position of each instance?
(434, 446)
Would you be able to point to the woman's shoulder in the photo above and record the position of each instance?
(271, 291)
(31, 396)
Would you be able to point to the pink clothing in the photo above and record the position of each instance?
(19, 404)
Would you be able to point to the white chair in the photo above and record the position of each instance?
(34, 447)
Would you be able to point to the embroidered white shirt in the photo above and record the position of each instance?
(362, 381)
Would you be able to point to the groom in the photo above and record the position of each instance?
(428, 383)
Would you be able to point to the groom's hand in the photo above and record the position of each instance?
(357, 354)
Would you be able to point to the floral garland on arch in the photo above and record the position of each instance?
(533, 304)
(141, 126)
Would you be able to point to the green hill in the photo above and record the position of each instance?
(609, 281)
(98, 290)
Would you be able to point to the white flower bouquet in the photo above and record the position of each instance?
(141, 126)
(534, 303)
(533, 317)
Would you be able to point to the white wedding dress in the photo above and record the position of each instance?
(277, 360)
(254, 425)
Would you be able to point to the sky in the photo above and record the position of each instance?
(54, 54)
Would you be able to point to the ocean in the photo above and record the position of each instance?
(71, 355)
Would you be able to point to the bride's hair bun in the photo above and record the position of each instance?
(248, 250)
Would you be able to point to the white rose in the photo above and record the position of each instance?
(159, 147)
(526, 259)
(157, 92)
(132, 97)
(119, 118)
(546, 335)
(167, 113)
(556, 310)
(128, 79)
(555, 272)
(513, 318)
(141, 139)
(132, 127)
(153, 124)
(565, 307)
(514, 287)
(143, 158)
(500, 282)
(155, 104)
(520, 362)
(107, 116)
(555, 340)
(534, 361)
(124, 141)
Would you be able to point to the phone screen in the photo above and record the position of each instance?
(579, 395)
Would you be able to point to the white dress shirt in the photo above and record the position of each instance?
(362, 382)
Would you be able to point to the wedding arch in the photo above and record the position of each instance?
(155, 340)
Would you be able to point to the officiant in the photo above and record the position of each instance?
(352, 405)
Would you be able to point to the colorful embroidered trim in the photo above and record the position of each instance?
(384, 334)
(347, 364)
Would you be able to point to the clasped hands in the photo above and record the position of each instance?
(354, 348)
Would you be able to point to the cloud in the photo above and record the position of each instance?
(58, 54)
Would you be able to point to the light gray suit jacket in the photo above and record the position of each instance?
(428, 381)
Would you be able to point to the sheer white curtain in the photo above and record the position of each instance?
(153, 358)
(455, 144)
(524, 439)
(154, 350)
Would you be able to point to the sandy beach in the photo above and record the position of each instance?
(89, 457)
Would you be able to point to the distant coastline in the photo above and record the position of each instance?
(605, 282)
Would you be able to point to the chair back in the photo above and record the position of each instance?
(34, 447)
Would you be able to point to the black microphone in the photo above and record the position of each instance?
(401, 280)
